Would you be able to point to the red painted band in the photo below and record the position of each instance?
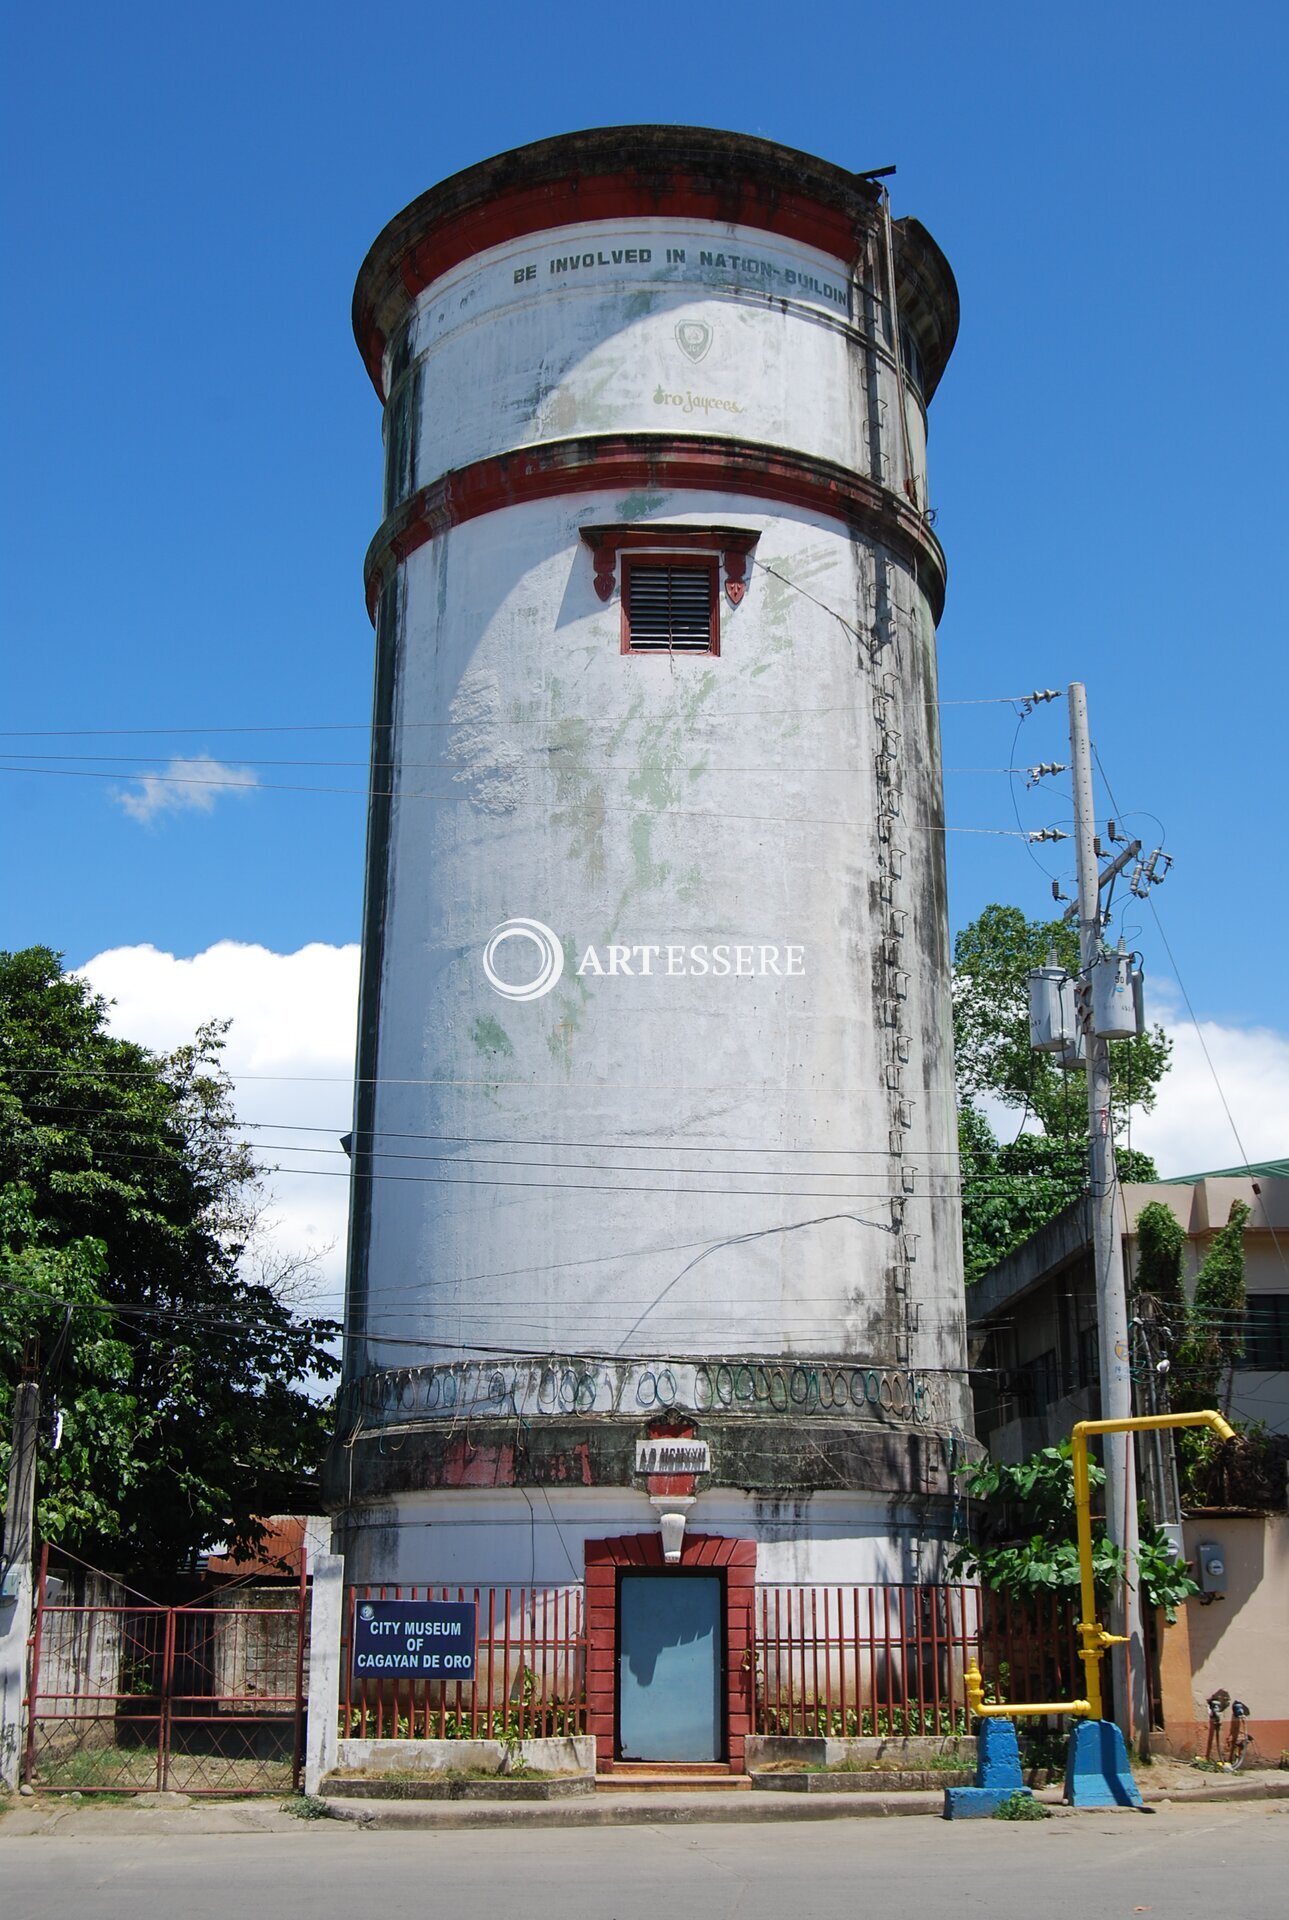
(395, 272)
(623, 463)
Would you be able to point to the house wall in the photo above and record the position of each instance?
(1033, 1311)
(1241, 1641)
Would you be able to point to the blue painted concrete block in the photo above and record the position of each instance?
(1097, 1773)
(998, 1774)
(998, 1755)
(977, 1803)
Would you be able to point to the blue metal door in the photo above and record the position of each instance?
(669, 1667)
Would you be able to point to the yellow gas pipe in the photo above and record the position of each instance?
(1093, 1635)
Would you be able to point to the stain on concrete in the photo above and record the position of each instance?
(638, 506)
(492, 767)
(490, 1037)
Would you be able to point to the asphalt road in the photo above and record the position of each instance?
(1201, 1861)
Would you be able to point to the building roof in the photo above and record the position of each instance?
(1267, 1169)
(1067, 1237)
(277, 1557)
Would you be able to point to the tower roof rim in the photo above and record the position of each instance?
(743, 178)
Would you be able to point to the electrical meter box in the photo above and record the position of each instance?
(1114, 999)
(1052, 1025)
(1210, 1568)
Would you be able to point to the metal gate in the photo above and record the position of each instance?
(200, 1699)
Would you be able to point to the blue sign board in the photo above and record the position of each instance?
(414, 1639)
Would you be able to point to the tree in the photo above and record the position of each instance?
(1026, 1538)
(1011, 1189)
(1161, 1242)
(175, 1404)
(992, 958)
(1213, 1339)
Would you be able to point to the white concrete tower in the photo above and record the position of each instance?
(654, 1135)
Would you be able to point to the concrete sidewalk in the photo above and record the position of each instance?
(165, 1813)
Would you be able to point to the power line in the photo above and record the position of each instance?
(463, 799)
(364, 726)
(606, 1146)
(549, 758)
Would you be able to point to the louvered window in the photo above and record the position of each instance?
(670, 606)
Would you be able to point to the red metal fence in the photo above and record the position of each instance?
(530, 1671)
(845, 1661)
(136, 1698)
(836, 1660)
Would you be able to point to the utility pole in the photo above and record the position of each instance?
(1112, 1306)
(15, 1586)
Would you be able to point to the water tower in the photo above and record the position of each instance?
(655, 1238)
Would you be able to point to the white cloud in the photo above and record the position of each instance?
(290, 1053)
(187, 785)
(1189, 1131)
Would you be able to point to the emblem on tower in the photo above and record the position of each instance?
(694, 337)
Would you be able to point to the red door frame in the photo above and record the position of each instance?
(603, 1560)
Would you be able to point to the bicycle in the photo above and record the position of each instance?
(1239, 1742)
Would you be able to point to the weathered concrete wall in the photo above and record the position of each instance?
(1241, 1642)
(504, 1535)
(660, 1167)
(571, 1753)
(787, 348)
(633, 801)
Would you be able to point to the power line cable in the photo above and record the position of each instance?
(715, 816)
(364, 726)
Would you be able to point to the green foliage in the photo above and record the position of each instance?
(510, 1724)
(306, 1806)
(1161, 1242)
(1214, 1328)
(1165, 1580)
(812, 1718)
(991, 959)
(1026, 1537)
(1021, 1806)
(127, 1202)
(1010, 1191)
(1249, 1471)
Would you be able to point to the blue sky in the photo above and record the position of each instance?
(195, 456)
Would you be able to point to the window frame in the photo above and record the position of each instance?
(727, 551)
(1265, 1333)
(681, 562)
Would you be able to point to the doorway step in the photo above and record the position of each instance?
(671, 1776)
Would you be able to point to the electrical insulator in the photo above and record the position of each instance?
(1052, 1026)
(1114, 1003)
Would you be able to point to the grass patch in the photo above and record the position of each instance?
(520, 1771)
(1019, 1806)
(306, 1806)
(933, 1763)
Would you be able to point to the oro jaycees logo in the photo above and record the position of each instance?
(724, 959)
